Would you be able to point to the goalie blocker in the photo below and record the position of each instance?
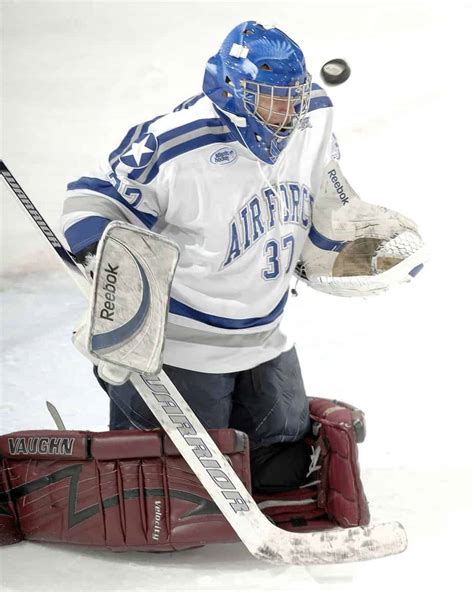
(123, 330)
(131, 490)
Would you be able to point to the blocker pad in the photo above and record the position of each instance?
(130, 297)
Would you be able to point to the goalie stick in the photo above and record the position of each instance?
(262, 538)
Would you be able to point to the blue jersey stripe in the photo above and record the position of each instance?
(105, 188)
(180, 149)
(174, 134)
(188, 127)
(188, 103)
(85, 233)
(193, 101)
(178, 308)
(325, 243)
(319, 103)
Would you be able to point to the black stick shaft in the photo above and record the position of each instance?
(75, 269)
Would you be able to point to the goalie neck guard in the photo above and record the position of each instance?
(259, 84)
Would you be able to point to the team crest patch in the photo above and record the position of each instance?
(140, 153)
(223, 156)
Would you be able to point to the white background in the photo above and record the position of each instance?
(76, 76)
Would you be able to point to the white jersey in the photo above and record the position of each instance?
(240, 225)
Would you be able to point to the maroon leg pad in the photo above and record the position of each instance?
(337, 498)
(10, 529)
(127, 490)
(131, 490)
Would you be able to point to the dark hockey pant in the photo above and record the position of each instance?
(267, 402)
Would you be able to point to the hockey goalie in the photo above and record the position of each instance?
(131, 489)
(192, 230)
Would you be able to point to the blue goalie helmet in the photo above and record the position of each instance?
(259, 84)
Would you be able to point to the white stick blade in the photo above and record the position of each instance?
(335, 545)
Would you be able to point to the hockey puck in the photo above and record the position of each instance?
(335, 71)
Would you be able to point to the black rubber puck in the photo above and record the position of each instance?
(335, 71)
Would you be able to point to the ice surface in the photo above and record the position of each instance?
(75, 77)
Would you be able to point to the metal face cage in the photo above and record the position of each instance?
(278, 108)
